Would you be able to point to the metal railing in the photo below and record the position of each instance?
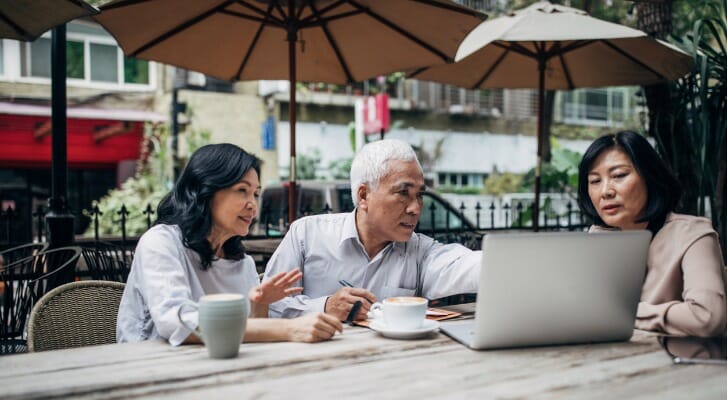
(448, 225)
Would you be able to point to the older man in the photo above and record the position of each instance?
(374, 247)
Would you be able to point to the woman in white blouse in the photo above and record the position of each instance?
(194, 249)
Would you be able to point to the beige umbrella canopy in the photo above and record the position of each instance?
(28, 19)
(548, 46)
(335, 41)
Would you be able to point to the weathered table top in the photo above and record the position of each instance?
(361, 364)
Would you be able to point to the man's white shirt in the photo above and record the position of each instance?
(327, 249)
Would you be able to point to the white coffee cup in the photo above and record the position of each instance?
(222, 319)
(401, 313)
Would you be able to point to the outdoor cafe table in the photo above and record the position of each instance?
(361, 364)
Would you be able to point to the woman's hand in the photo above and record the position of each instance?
(313, 328)
(276, 288)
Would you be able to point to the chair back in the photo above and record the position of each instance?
(13, 254)
(25, 281)
(107, 262)
(74, 315)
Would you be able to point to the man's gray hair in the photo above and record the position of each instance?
(371, 163)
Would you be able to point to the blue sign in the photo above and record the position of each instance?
(268, 134)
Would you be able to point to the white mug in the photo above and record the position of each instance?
(222, 320)
(401, 313)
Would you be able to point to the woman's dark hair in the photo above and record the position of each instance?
(211, 168)
(663, 190)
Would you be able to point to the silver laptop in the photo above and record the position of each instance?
(556, 288)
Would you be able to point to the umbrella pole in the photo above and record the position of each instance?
(292, 123)
(59, 222)
(539, 141)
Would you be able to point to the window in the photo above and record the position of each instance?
(92, 56)
(599, 107)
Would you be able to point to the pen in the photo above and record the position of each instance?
(355, 308)
(345, 283)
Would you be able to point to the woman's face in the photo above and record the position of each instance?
(617, 191)
(234, 208)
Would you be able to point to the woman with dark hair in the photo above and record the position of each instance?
(624, 185)
(195, 248)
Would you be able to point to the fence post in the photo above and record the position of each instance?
(5, 216)
(519, 208)
(492, 215)
(569, 208)
(477, 214)
(123, 212)
(462, 213)
(96, 213)
(39, 213)
(148, 212)
(507, 209)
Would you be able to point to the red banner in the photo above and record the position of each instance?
(376, 114)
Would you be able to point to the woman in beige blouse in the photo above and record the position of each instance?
(623, 184)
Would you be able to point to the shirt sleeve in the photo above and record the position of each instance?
(703, 309)
(290, 255)
(448, 269)
(166, 285)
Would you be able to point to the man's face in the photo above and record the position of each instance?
(393, 209)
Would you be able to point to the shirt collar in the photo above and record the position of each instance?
(349, 231)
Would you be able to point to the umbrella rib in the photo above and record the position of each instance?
(22, 32)
(573, 46)
(263, 14)
(491, 69)
(567, 74)
(180, 28)
(254, 41)
(119, 4)
(301, 8)
(334, 46)
(632, 58)
(272, 21)
(517, 48)
(401, 31)
(326, 9)
(307, 22)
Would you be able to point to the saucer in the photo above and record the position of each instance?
(427, 327)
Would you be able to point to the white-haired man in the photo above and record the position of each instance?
(374, 247)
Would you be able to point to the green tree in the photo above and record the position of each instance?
(340, 168)
(500, 183)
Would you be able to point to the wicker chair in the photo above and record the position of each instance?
(24, 282)
(76, 314)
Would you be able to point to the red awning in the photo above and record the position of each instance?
(25, 141)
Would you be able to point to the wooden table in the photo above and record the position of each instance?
(361, 364)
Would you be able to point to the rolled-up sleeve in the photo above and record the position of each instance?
(449, 269)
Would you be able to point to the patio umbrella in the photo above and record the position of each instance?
(28, 19)
(335, 41)
(548, 46)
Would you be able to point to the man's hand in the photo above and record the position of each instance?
(313, 328)
(276, 288)
(340, 303)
